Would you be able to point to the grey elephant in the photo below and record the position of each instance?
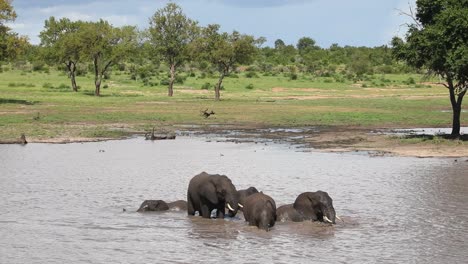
(160, 205)
(260, 211)
(207, 192)
(243, 194)
(313, 206)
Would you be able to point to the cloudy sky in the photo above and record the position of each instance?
(357, 22)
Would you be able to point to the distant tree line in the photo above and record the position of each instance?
(437, 42)
(177, 42)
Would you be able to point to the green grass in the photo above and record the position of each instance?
(384, 101)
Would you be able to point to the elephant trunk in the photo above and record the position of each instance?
(232, 204)
(329, 215)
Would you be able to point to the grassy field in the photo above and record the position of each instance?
(42, 105)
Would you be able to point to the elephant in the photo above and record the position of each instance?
(313, 206)
(207, 192)
(243, 194)
(160, 205)
(260, 211)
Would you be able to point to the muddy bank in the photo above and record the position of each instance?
(375, 141)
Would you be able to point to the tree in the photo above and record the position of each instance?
(279, 44)
(171, 32)
(62, 44)
(225, 51)
(437, 40)
(305, 45)
(106, 45)
(11, 45)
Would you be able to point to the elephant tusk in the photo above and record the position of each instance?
(337, 217)
(229, 206)
(240, 205)
(326, 219)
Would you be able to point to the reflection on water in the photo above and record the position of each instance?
(63, 204)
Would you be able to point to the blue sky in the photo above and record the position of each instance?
(356, 23)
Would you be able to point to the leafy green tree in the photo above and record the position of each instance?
(62, 44)
(106, 45)
(11, 45)
(225, 51)
(306, 45)
(279, 43)
(171, 32)
(438, 41)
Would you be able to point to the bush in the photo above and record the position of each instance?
(293, 76)
(192, 74)
(233, 75)
(410, 81)
(105, 86)
(364, 85)
(164, 82)
(38, 66)
(180, 79)
(249, 86)
(63, 86)
(12, 85)
(206, 86)
(251, 74)
(47, 85)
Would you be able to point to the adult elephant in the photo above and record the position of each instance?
(207, 192)
(160, 205)
(260, 211)
(313, 206)
(243, 194)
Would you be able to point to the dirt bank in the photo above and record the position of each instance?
(323, 139)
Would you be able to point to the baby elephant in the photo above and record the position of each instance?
(260, 211)
(160, 205)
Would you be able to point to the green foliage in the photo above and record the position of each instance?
(249, 86)
(206, 86)
(438, 41)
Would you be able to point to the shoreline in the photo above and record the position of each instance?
(314, 138)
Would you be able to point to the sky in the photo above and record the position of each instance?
(345, 22)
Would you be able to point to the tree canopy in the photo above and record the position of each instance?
(11, 44)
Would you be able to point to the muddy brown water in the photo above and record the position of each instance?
(64, 204)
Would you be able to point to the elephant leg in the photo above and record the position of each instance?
(205, 211)
(190, 209)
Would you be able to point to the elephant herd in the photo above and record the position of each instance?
(207, 192)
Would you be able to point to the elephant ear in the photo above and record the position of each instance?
(208, 191)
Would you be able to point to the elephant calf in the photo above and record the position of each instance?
(260, 211)
(160, 205)
(243, 194)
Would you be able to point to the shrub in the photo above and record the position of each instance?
(293, 76)
(47, 85)
(410, 81)
(206, 86)
(12, 85)
(233, 75)
(251, 74)
(180, 79)
(63, 86)
(249, 86)
(164, 82)
(38, 66)
(105, 86)
(364, 85)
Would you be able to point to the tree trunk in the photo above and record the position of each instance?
(97, 78)
(72, 72)
(170, 91)
(456, 109)
(218, 86)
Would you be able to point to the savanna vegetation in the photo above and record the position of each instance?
(91, 79)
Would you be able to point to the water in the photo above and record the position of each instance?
(64, 204)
